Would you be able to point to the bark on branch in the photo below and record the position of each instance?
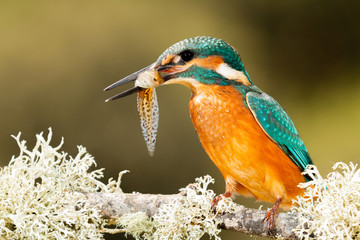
(249, 221)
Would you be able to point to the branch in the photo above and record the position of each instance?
(249, 221)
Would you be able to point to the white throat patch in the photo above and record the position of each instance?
(232, 74)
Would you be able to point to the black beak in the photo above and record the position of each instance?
(132, 77)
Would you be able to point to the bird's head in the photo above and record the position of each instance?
(192, 62)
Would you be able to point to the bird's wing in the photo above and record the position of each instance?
(278, 126)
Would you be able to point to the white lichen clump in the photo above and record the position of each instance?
(41, 197)
(40, 194)
(187, 218)
(331, 206)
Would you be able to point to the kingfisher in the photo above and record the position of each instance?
(244, 131)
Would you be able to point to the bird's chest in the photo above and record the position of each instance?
(220, 118)
(228, 131)
(239, 147)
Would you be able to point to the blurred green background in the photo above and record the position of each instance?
(57, 56)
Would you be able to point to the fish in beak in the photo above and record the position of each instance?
(145, 80)
(147, 77)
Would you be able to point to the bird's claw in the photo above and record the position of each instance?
(269, 220)
(270, 216)
(215, 202)
(218, 198)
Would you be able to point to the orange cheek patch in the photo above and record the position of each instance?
(211, 62)
(167, 59)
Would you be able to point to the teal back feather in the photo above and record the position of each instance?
(279, 127)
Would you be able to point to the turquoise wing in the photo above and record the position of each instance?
(279, 127)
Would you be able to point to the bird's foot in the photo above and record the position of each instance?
(270, 215)
(218, 198)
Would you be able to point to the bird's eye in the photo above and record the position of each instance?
(187, 55)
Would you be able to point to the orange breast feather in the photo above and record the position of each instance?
(251, 163)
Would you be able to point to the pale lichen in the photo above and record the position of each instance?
(40, 193)
(331, 206)
(139, 225)
(190, 217)
(42, 197)
(114, 186)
